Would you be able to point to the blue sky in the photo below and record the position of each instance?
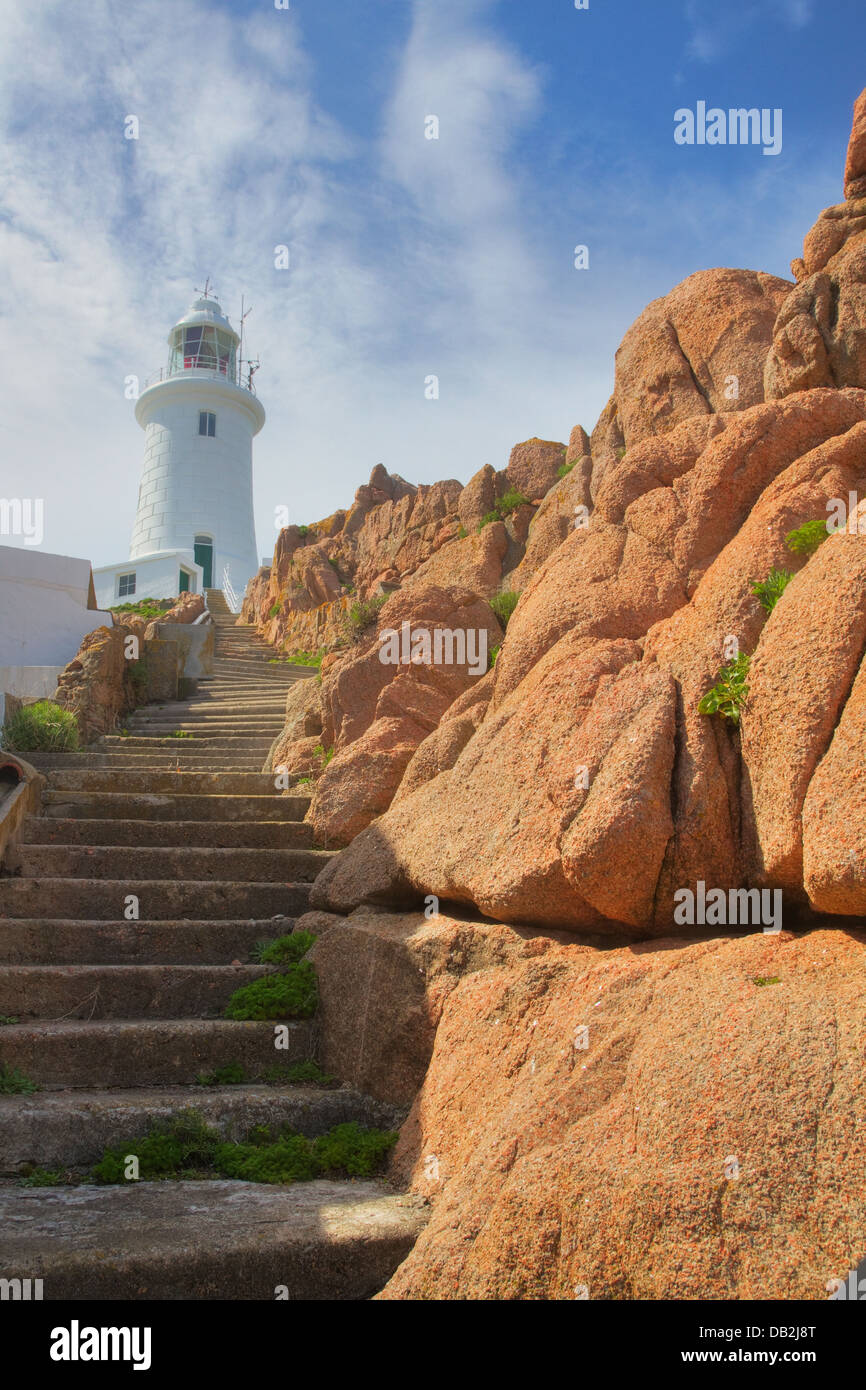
(409, 257)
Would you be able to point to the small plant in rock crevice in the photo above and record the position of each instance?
(728, 696)
(504, 604)
(771, 589)
(504, 506)
(805, 539)
(362, 615)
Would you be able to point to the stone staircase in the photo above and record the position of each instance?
(118, 1015)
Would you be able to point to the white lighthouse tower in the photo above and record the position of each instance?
(194, 522)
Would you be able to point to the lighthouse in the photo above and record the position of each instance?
(194, 524)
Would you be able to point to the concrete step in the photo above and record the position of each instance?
(212, 725)
(47, 830)
(145, 1052)
(329, 1241)
(173, 808)
(61, 941)
(63, 1130)
(160, 760)
(106, 900)
(177, 862)
(31, 992)
(95, 779)
(204, 743)
(248, 705)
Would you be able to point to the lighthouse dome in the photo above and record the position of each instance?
(203, 311)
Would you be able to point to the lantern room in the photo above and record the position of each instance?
(204, 340)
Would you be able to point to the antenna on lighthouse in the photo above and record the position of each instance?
(244, 316)
(206, 291)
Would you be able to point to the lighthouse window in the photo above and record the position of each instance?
(125, 585)
(207, 423)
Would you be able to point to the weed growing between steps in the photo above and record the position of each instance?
(43, 1177)
(188, 1148)
(14, 1083)
(232, 1074)
(291, 994)
(284, 950)
(282, 1073)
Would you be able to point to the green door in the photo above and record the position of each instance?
(183, 582)
(203, 554)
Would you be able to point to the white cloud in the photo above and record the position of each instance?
(714, 30)
(409, 257)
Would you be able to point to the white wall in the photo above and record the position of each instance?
(43, 612)
(156, 576)
(194, 485)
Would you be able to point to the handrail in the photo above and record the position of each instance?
(199, 373)
(231, 597)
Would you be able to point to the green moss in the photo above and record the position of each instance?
(350, 1149)
(297, 1074)
(730, 693)
(291, 994)
(288, 1160)
(42, 725)
(765, 980)
(14, 1083)
(232, 1074)
(284, 949)
(805, 539)
(185, 1143)
(42, 1177)
(771, 589)
(565, 468)
(188, 1147)
(274, 609)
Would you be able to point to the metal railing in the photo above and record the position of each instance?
(231, 597)
(207, 373)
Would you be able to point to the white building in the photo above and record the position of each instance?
(194, 525)
(47, 605)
